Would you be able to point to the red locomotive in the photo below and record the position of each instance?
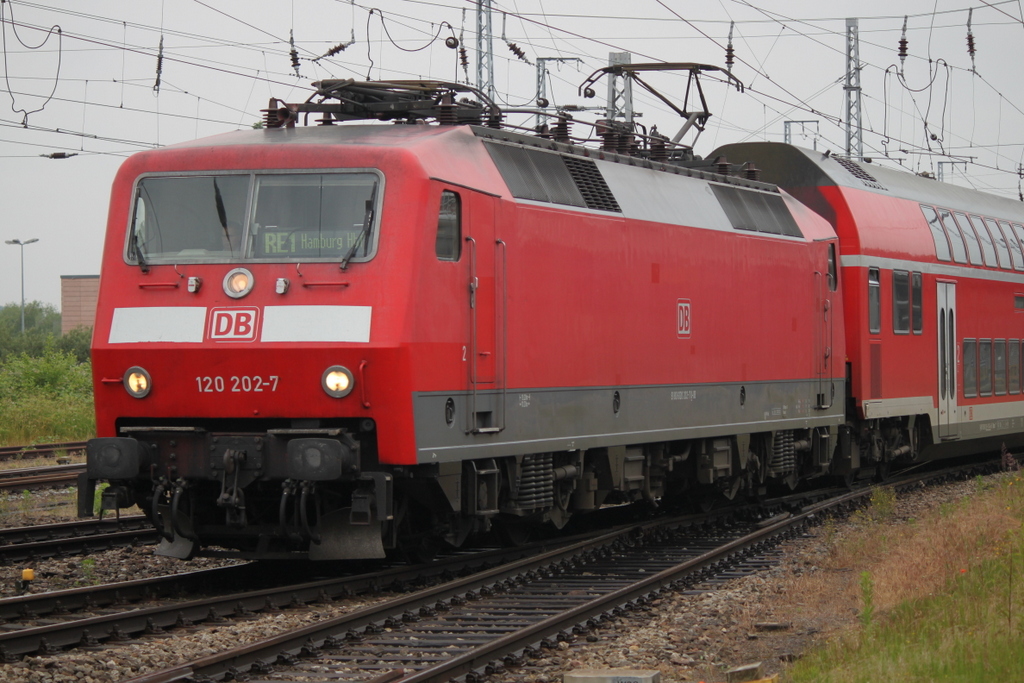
(334, 341)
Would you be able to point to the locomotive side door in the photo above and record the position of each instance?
(825, 285)
(486, 254)
(949, 422)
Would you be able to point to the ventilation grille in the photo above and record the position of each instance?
(857, 171)
(591, 184)
(550, 177)
(756, 211)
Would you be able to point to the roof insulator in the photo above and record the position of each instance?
(293, 52)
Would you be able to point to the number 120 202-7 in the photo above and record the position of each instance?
(236, 384)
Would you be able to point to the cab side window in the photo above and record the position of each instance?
(448, 245)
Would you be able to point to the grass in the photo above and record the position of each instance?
(45, 399)
(17, 509)
(941, 599)
(46, 419)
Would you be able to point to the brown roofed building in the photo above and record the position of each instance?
(78, 295)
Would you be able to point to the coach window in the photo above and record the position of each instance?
(999, 353)
(874, 301)
(900, 302)
(448, 245)
(1000, 242)
(985, 366)
(1018, 231)
(938, 234)
(970, 368)
(915, 303)
(1011, 241)
(986, 242)
(1013, 366)
(973, 247)
(955, 238)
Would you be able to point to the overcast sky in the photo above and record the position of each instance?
(91, 89)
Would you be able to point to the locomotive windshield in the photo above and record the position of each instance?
(254, 217)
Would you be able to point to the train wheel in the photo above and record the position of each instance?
(513, 531)
(416, 540)
(882, 470)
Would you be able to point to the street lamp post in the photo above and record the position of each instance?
(22, 245)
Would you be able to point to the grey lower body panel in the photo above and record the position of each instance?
(523, 421)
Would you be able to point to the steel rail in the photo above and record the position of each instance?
(40, 477)
(646, 589)
(369, 616)
(72, 538)
(43, 450)
(131, 618)
(305, 643)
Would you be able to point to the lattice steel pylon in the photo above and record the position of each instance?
(854, 130)
(620, 90)
(484, 48)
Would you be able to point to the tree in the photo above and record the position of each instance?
(42, 333)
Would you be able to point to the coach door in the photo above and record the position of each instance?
(486, 263)
(949, 423)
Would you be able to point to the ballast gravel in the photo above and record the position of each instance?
(691, 636)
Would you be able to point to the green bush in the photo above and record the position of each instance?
(45, 399)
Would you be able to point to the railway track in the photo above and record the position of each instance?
(506, 616)
(28, 478)
(108, 614)
(468, 613)
(81, 537)
(44, 450)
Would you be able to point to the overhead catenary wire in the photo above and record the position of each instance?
(580, 40)
(14, 29)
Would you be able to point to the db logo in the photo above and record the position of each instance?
(683, 318)
(233, 324)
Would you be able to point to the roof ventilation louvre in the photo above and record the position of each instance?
(857, 171)
(591, 184)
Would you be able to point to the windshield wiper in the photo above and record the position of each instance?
(367, 226)
(137, 250)
(222, 215)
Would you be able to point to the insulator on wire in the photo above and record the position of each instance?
(970, 37)
(518, 52)
(340, 47)
(903, 44)
(730, 57)
(293, 52)
(159, 65)
(464, 57)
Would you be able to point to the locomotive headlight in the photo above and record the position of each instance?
(237, 283)
(137, 382)
(337, 381)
